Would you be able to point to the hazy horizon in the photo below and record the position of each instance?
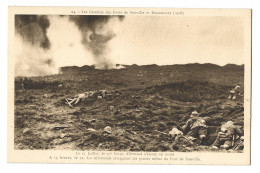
(46, 43)
(161, 65)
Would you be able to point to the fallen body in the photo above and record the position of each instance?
(83, 96)
(76, 99)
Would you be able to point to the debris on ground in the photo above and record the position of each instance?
(141, 111)
(108, 129)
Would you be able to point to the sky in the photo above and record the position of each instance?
(173, 40)
(45, 43)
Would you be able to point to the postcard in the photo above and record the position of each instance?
(129, 85)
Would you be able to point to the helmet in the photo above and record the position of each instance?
(108, 129)
(194, 113)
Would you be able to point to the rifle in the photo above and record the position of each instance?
(233, 140)
(238, 144)
(162, 132)
(168, 134)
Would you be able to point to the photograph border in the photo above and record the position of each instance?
(35, 156)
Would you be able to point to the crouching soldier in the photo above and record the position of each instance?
(227, 136)
(195, 128)
(234, 93)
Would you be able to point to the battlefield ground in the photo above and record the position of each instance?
(142, 100)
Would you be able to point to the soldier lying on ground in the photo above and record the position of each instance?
(227, 136)
(79, 97)
(195, 127)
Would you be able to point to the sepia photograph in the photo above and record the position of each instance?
(130, 80)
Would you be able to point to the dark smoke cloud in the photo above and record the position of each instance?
(92, 21)
(94, 38)
(33, 29)
(33, 57)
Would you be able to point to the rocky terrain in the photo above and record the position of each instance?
(142, 102)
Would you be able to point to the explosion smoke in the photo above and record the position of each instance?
(96, 34)
(31, 60)
(32, 46)
(33, 29)
(42, 44)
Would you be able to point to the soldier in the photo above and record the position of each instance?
(77, 99)
(227, 136)
(195, 127)
(80, 97)
(175, 133)
(25, 82)
(22, 84)
(234, 92)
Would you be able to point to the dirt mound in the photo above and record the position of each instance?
(190, 91)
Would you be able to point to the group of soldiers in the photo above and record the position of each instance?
(195, 129)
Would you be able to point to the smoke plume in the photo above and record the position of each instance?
(33, 29)
(32, 46)
(31, 60)
(96, 33)
(45, 43)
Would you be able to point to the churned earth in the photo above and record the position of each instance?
(143, 101)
